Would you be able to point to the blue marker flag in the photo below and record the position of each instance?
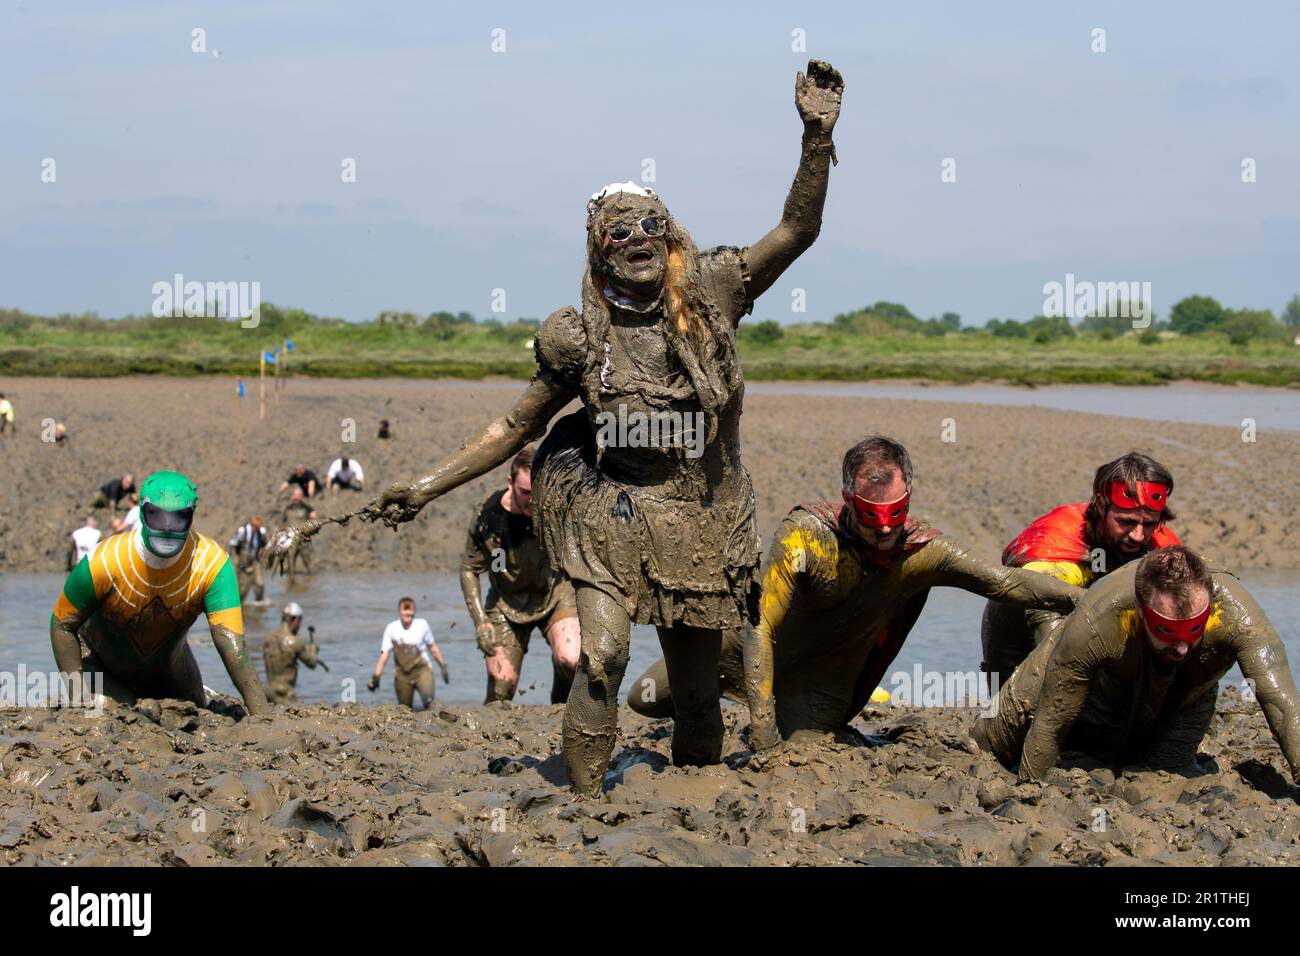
(240, 391)
(269, 356)
(289, 346)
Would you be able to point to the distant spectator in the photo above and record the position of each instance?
(384, 431)
(132, 519)
(7, 414)
(116, 526)
(84, 540)
(245, 548)
(112, 493)
(304, 478)
(345, 473)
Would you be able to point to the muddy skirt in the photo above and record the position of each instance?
(668, 558)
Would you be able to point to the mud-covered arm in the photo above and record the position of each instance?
(1079, 654)
(942, 563)
(226, 622)
(791, 553)
(1262, 658)
(473, 563)
(1044, 623)
(77, 600)
(306, 651)
(817, 97)
(503, 437)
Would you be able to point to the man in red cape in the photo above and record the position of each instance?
(1127, 516)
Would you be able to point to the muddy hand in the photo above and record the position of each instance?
(817, 95)
(287, 542)
(398, 504)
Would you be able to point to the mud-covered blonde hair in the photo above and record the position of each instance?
(692, 323)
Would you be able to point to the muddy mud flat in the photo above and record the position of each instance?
(167, 783)
(1007, 466)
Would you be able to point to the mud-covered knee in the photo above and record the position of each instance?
(606, 657)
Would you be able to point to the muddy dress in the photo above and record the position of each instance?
(666, 529)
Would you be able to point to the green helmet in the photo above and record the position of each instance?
(167, 500)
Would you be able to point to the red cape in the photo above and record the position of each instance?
(1061, 535)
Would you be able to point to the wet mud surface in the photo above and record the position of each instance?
(166, 783)
(1007, 466)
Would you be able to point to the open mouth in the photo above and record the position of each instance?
(640, 257)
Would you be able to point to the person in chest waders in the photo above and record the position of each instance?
(640, 497)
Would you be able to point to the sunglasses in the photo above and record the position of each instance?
(160, 519)
(620, 233)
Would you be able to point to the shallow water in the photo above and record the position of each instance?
(1270, 408)
(350, 611)
(1191, 402)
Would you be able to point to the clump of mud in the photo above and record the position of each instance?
(165, 782)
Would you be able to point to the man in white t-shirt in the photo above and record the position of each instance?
(345, 473)
(132, 520)
(410, 640)
(84, 540)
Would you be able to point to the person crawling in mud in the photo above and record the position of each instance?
(125, 609)
(524, 591)
(842, 590)
(641, 498)
(1127, 516)
(283, 651)
(1133, 676)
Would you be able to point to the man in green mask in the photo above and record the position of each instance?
(132, 600)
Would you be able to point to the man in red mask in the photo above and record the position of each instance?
(842, 589)
(1127, 516)
(1133, 676)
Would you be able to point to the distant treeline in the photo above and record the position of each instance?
(1194, 315)
(1200, 340)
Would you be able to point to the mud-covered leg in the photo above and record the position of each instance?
(505, 689)
(649, 695)
(566, 646)
(1176, 740)
(424, 685)
(405, 689)
(591, 714)
(691, 655)
(1003, 730)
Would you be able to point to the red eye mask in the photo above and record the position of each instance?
(1150, 494)
(1169, 630)
(875, 514)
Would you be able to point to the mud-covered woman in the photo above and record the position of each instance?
(640, 497)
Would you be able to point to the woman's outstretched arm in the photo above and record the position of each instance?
(541, 401)
(817, 97)
(503, 437)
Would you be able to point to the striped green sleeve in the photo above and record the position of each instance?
(223, 592)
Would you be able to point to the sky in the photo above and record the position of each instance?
(474, 163)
